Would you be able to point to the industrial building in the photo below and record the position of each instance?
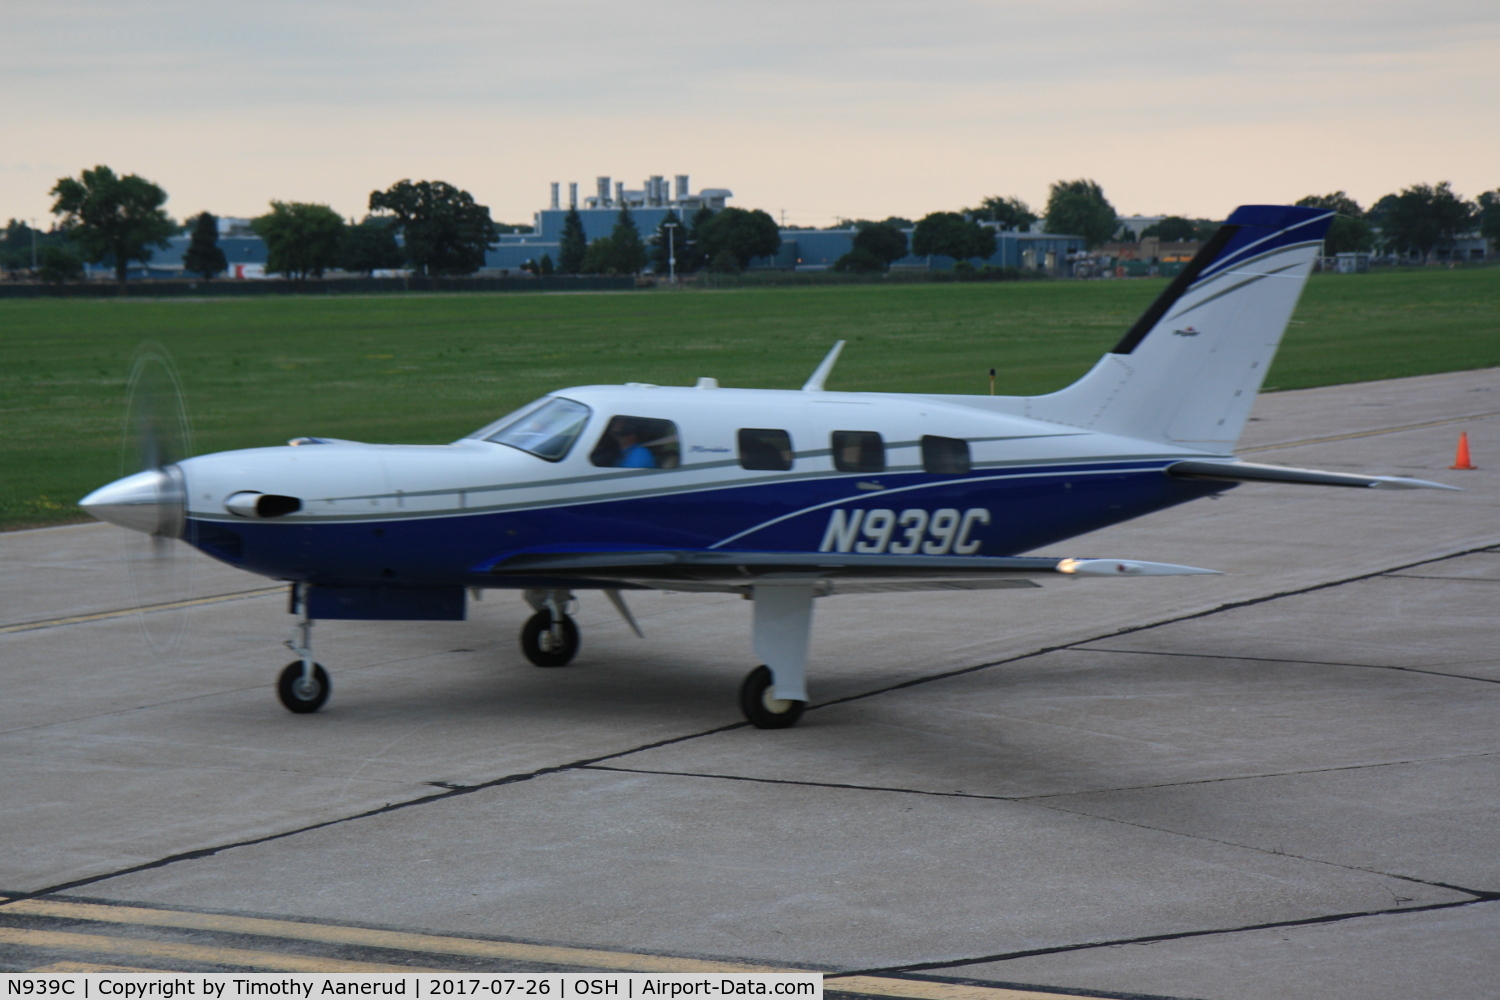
(801, 249)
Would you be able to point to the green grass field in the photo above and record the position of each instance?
(432, 368)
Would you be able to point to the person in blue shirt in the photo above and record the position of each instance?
(633, 454)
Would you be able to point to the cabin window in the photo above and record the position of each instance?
(858, 451)
(547, 431)
(944, 455)
(638, 443)
(764, 450)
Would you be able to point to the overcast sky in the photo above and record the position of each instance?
(818, 108)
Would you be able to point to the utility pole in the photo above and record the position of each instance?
(671, 253)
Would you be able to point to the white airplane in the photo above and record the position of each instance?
(781, 496)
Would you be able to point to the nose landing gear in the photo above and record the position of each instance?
(303, 686)
(550, 637)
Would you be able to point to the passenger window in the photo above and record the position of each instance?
(946, 455)
(765, 450)
(638, 443)
(858, 451)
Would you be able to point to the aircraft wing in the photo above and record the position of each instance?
(1239, 472)
(829, 572)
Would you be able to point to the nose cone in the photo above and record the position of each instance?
(152, 502)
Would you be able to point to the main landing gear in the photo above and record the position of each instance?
(774, 695)
(550, 637)
(303, 686)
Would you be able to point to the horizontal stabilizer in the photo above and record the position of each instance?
(1240, 472)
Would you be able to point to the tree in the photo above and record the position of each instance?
(203, 255)
(1079, 208)
(1350, 232)
(599, 258)
(627, 252)
(949, 234)
(1012, 213)
(744, 235)
(59, 264)
(547, 267)
(1423, 217)
(1489, 216)
(444, 230)
(572, 245)
(110, 217)
(1172, 229)
(876, 246)
(692, 257)
(883, 241)
(664, 246)
(370, 247)
(302, 240)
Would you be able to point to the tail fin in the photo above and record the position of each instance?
(1187, 372)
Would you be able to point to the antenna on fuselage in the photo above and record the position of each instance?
(815, 381)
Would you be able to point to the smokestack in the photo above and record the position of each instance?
(572, 194)
(620, 193)
(604, 192)
(682, 186)
(555, 187)
(658, 189)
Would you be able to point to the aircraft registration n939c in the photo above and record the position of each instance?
(781, 496)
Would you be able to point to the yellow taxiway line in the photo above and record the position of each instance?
(436, 944)
(1371, 433)
(144, 948)
(428, 944)
(173, 605)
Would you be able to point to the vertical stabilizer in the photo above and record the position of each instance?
(1187, 372)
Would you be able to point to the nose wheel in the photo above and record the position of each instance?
(303, 691)
(548, 641)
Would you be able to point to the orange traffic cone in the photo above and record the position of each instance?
(1461, 460)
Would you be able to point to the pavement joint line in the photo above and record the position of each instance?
(420, 943)
(100, 944)
(146, 609)
(1372, 433)
(1035, 796)
(1331, 918)
(451, 792)
(1478, 895)
(1273, 659)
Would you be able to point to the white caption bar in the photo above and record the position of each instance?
(132, 985)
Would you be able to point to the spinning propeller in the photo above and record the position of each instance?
(149, 499)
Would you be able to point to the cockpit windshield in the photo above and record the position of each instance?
(547, 431)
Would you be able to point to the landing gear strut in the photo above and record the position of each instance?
(550, 637)
(303, 686)
(774, 695)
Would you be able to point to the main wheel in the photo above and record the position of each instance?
(762, 710)
(303, 696)
(544, 648)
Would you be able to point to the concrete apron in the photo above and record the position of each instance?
(1162, 782)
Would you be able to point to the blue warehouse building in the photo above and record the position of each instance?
(801, 249)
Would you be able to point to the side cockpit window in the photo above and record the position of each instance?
(765, 450)
(638, 443)
(547, 431)
(858, 451)
(945, 455)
